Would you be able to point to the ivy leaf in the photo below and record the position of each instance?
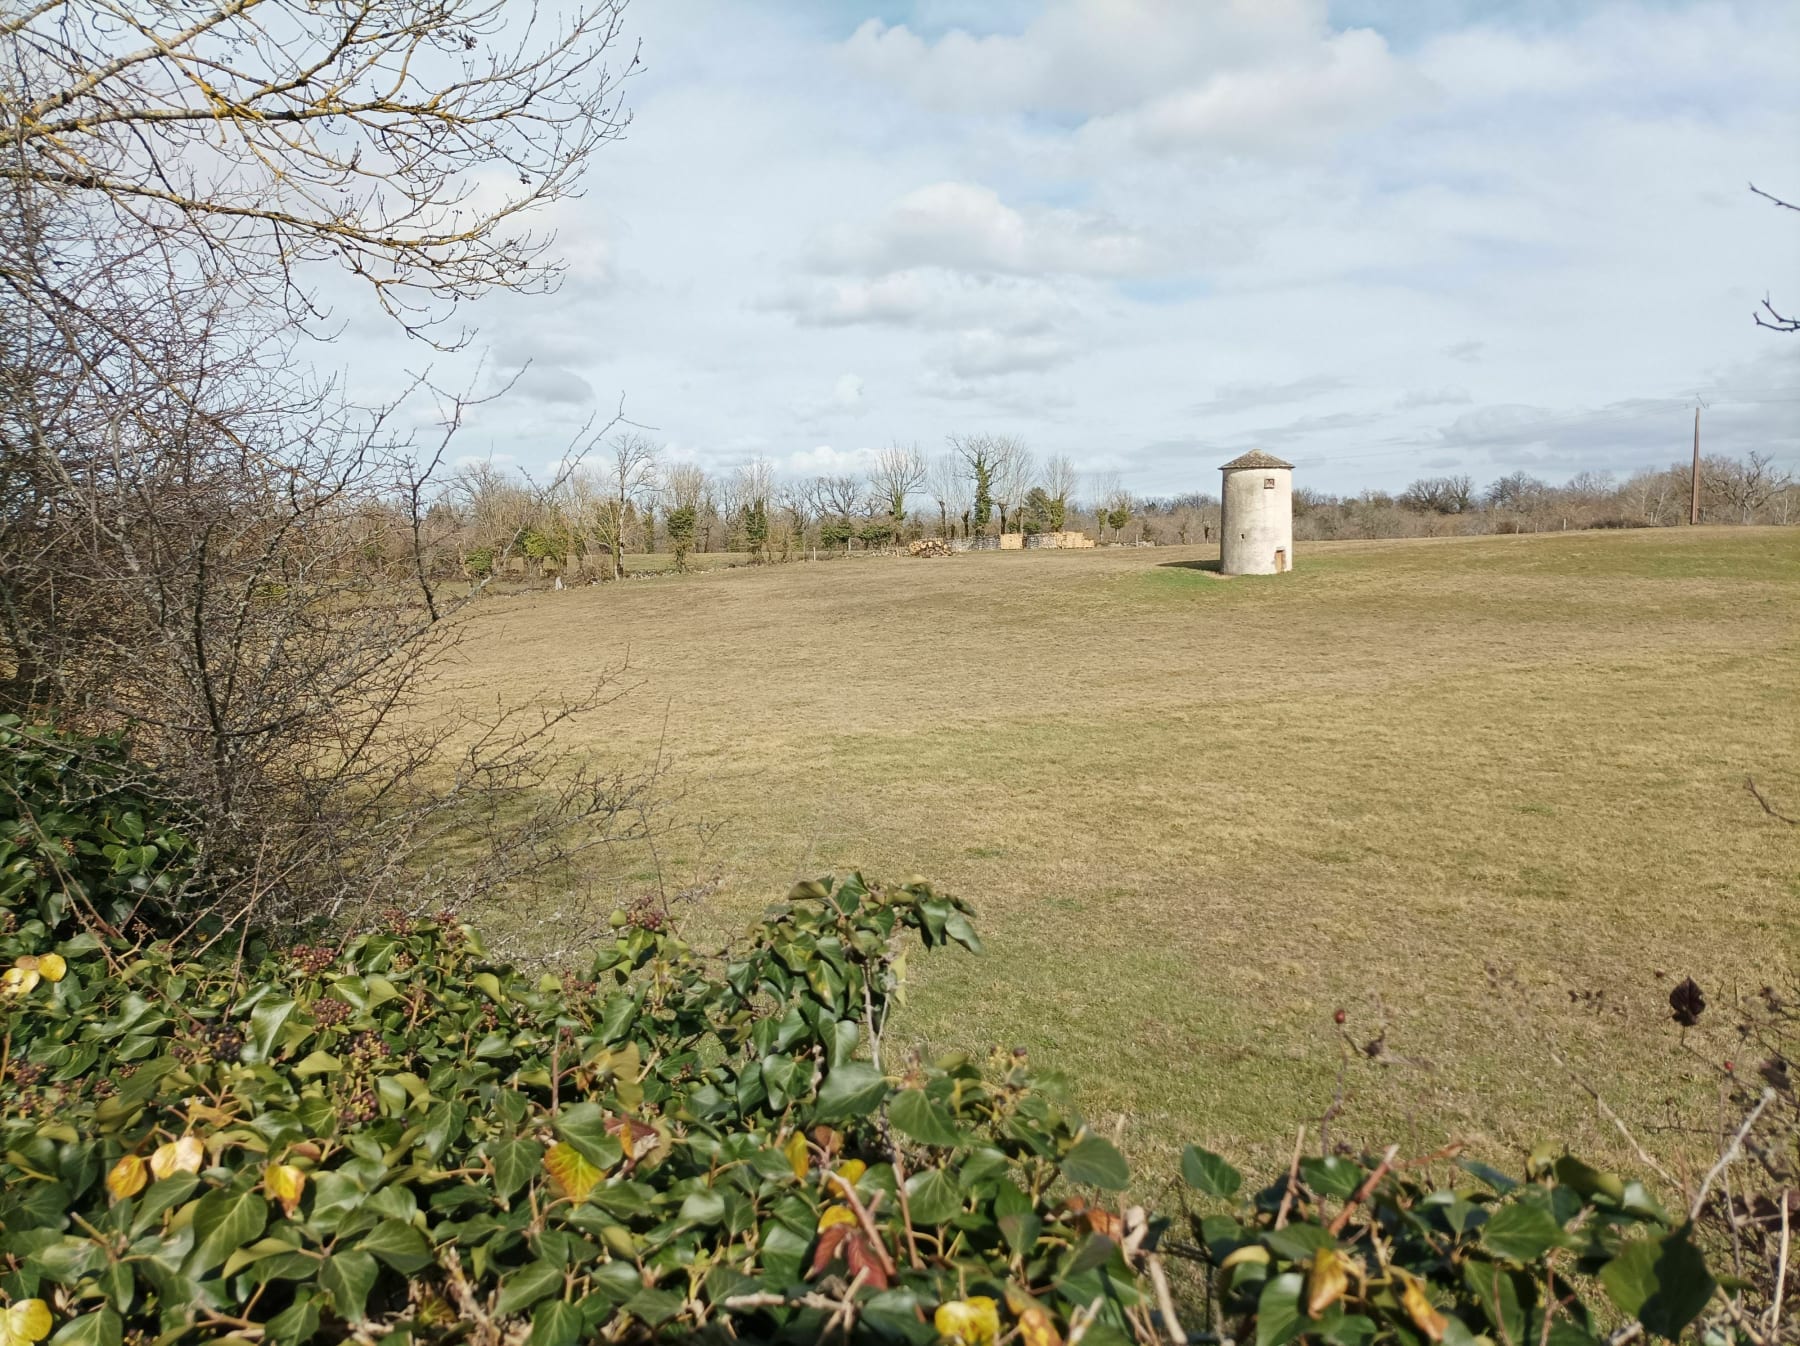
(556, 1323)
(1094, 1162)
(298, 1322)
(569, 1169)
(1332, 1176)
(932, 1198)
(1298, 1241)
(401, 1246)
(1206, 1172)
(1493, 1177)
(528, 1285)
(319, 1063)
(621, 1009)
(583, 1126)
(1639, 1202)
(1521, 1232)
(959, 928)
(653, 1306)
(104, 1328)
(265, 1022)
(1347, 1329)
(348, 1277)
(1018, 1222)
(162, 1196)
(851, 1090)
(916, 1117)
(1278, 1315)
(515, 1160)
(1663, 1283)
(224, 1222)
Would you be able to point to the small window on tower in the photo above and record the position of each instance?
(1268, 483)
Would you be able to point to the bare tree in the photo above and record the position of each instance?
(1014, 472)
(753, 485)
(625, 476)
(1439, 495)
(1061, 482)
(949, 488)
(1106, 490)
(797, 505)
(407, 143)
(840, 497)
(198, 542)
(1744, 487)
(899, 470)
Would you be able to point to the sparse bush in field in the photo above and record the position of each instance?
(679, 524)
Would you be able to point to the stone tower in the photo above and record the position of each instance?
(1256, 524)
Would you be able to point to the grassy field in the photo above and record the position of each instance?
(1198, 815)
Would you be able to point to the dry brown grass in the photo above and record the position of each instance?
(1197, 815)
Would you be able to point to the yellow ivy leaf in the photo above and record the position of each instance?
(177, 1156)
(127, 1177)
(1420, 1309)
(24, 1322)
(795, 1150)
(1326, 1281)
(18, 980)
(570, 1171)
(52, 967)
(1036, 1328)
(836, 1215)
(974, 1321)
(285, 1183)
(851, 1171)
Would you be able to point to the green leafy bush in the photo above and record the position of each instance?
(1350, 1253)
(83, 846)
(397, 1132)
(391, 1135)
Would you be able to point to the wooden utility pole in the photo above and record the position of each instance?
(1694, 497)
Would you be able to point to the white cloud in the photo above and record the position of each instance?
(1348, 81)
(824, 461)
(926, 297)
(966, 227)
(1081, 56)
(844, 398)
(983, 353)
(1232, 397)
(1432, 397)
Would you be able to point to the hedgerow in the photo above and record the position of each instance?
(386, 1134)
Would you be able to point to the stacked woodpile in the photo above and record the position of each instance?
(928, 546)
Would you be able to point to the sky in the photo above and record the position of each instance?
(1379, 239)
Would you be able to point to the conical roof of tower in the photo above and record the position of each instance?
(1255, 458)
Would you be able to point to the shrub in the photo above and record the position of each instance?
(391, 1134)
(397, 1134)
(82, 844)
(1481, 1257)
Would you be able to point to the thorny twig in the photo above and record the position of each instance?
(1732, 1151)
(1293, 1179)
(1362, 1193)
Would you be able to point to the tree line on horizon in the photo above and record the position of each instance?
(629, 499)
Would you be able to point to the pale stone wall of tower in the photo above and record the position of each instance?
(1256, 529)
